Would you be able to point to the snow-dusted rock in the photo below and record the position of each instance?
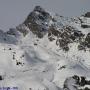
(45, 52)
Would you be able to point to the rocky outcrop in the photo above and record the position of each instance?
(56, 27)
(76, 83)
(87, 14)
(23, 29)
(85, 43)
(38, 21)
(65, 36)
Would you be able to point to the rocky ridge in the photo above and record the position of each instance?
(50, 50)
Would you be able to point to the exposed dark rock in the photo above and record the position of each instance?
(51, 38)
(62, 67)
(76, 83)
(11, 32)
(37, 21)
(10, 48)
(18, 63)
(1, 78)
(35, 44)
(83, 81)
(87, 40)
(65, 36)
(81, 47)
(13, 56)
(23, 29)
(53, 31)
(85, 26)
(86, 88)
(85, 43)
(87, 14)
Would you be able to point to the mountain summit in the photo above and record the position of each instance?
(38, 21)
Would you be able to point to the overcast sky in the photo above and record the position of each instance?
(13, 12)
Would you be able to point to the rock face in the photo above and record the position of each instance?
(56, 27)
(38, 21)
(84, 44)
(23, 29)
(76, 83)
(1, 78)
(87, 14)
(65, 36)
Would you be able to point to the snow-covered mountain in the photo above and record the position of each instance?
(46, 52)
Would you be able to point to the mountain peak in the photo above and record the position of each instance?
(38, 21)
(63, 30)
(39, 9)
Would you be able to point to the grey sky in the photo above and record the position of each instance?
(13, 12)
